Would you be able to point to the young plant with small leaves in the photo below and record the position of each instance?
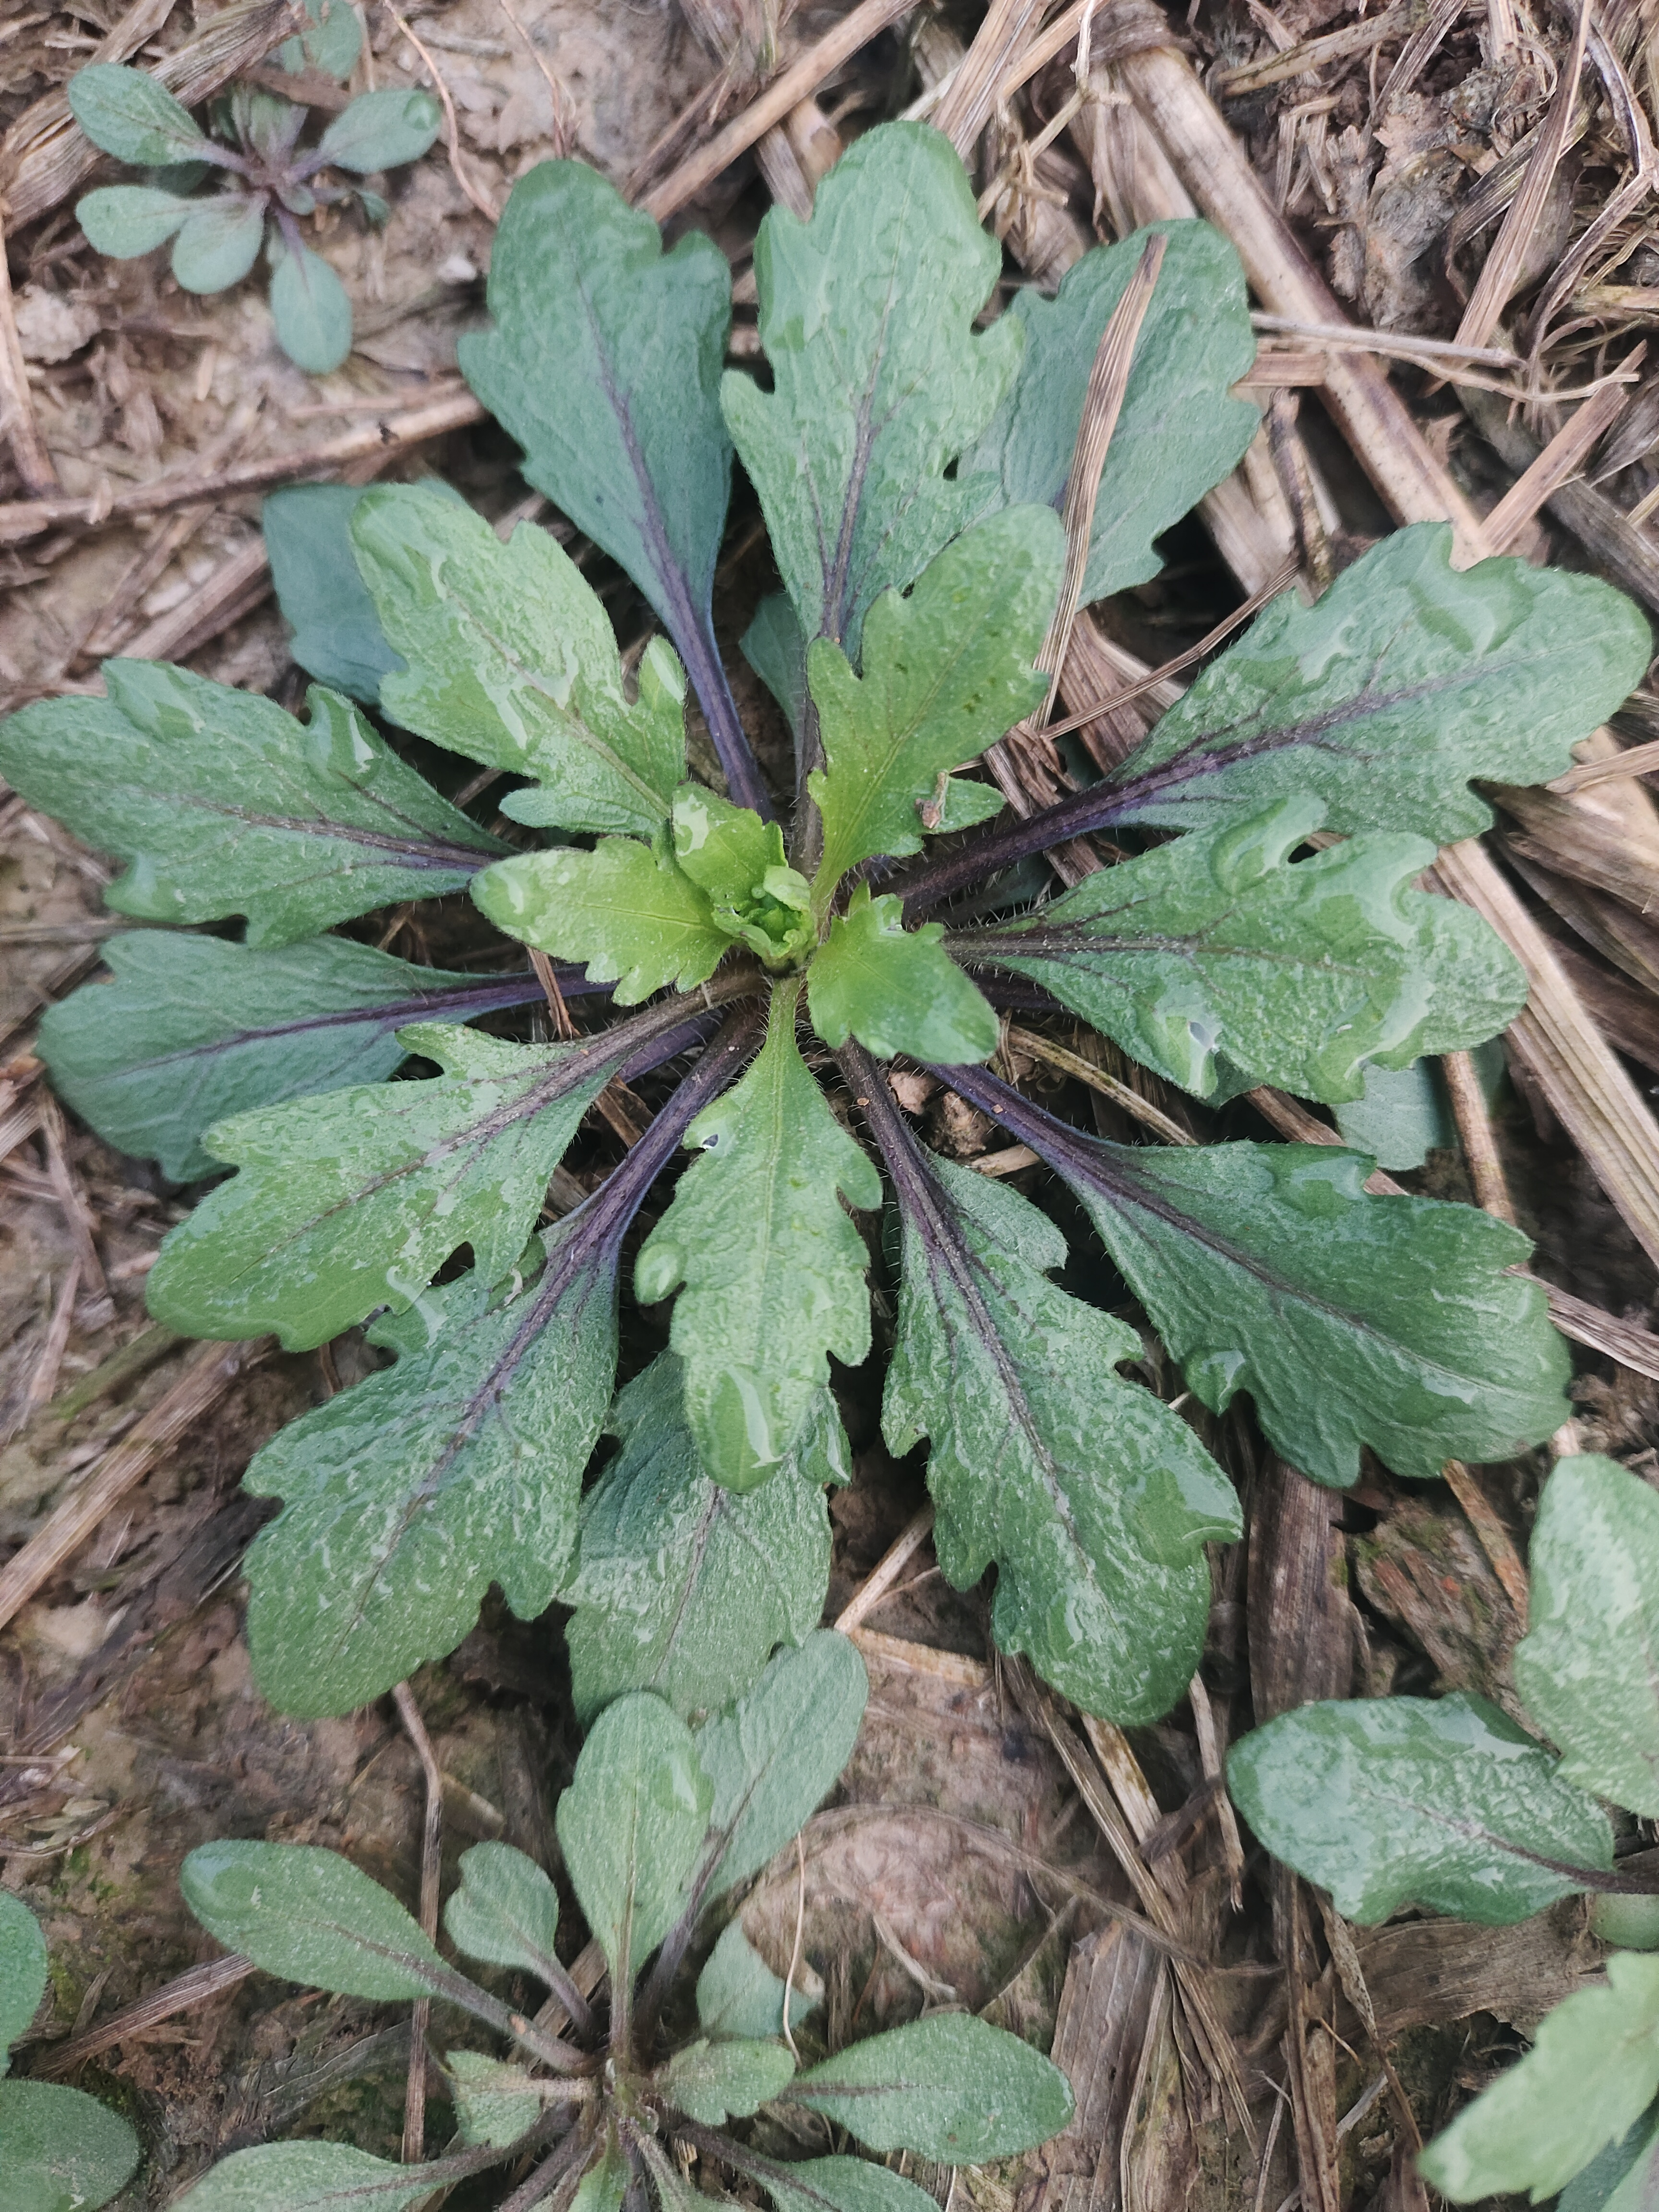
(1449, 1806)
(60, 2149)
(909, 467)
(268, 179)
(660, 1830)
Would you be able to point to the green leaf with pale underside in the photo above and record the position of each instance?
(895, 990)
(712, 2082)
(1443, 1804)
(512, 661)
(495, 2102)
(626, 911)
(310, 1915)
(307, 2176)
(879, 380)
(505, 1910)
(738, 1994)
(224, 805)
(951, 2087)
(947, 670)
(773, 1269)
(61, 2150)
(1586, 1667)
(23, 1970)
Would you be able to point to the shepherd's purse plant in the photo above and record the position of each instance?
(909, 466)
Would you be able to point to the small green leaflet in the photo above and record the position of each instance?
(61, 2150)
(23, 1970)
(310, 1915)
(604, 2184)
(1592, 2072)
(779, 1752)
(772, 1266)
(383, 129)
(495, 2102)
(1403, 1113)
(219, 242)
(631, 1825)
(123, 221)
(1586, 1667)
(837, 2185)
(505, 1910)
(1443, 1804)
(1408, 679)
(895, 990)
(712, 2082)
(512, 661)
(407, 1495)
(311, 310)
(356, 1198)
(330, 41)
(1299, 974)
(738, 861)
(626, 911)
(1094, 1500)
(224, 805)
(738, 1994)
(1179, 430)
(950, 2087)
(337, 637)
(127, 113)
(947, 670)
(309, 2177)
(879, 380)
(684, 1587)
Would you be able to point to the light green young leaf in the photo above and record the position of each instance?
(838, 2185)
(383, 129)
(224, 805)
(220, 242)
(712, 2082)
(1593, 2069)
(966, 803)
(950, 2087)
(23, 1970)
(1395, 1323)
(895, 990)
(512, 661)
(1094, 1500)
(772, 1265)
(61, 2150)
(409, 1494)
(1585, 1669)
(312, 312)
(505, 1910)
(947, 669)
(311, 1917)
(1299, 974)
(124, 220)
(307, 2176)
(1179, 430)
(1408, 679)
(879, 380)
(738, 860)
(495, 2102)
(779, 1752)
(631, 1825)
(1443, 1804)
(624, 910)
(356, 1198)
(738, 1994)
(127, 113)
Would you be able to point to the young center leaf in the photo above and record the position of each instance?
(624, 909)
(512, 661)
(950, 2087)
(61, 2150)
(222, 804)
(1392, 1322)
(506, 1912)
(772, 1266)
(1179, 430)
(737, 861)
(1299, 974)
(1585, 1669)
(1093, 1498)
(896, 989)
(191, 1030)
(1591, 2073)
(311, 1917)
(681, 1585)
(947, 670)
(1441, 1803)
(738, 1994)
(712, 2082)
(23, 1970)
(605, 364)
(631, 1825)
(127, 113)
(879, 380)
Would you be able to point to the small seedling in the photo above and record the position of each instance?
(60, 2149)
(271, 180)
(659, 1828)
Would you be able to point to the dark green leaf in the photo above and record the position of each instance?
(496, 2103)
(512, 661)
(307, 2177)
(23, 1970)
(338, 636)
(1298, 974)
(604, 2184)
(683, 1587)
(712, 2082)
(1446, 1805)
(309, 1916)
(895, 990)
(1585, 1670)
(774, 648)
(330, 42)
(623, 910)
(738, 1994)
(505, 1910)
(131, 116)
(1634, 2189)
(631, 1825)
(124, 220)
(1179, 430)
(1399, 1117)
(220, 242)
(879, 380)
(61, 2150)
(383, 129)
(839, 2185)
(312, 312)
(950, 2087)
(225, 805)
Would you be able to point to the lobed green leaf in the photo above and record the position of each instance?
(505, 1911)
(712, 2082)
(895, 990)
(624, 910)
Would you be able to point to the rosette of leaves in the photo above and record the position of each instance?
(60, 2149)
(909, 466)
(1449, 1806)
(660, 1827)
(268, 179)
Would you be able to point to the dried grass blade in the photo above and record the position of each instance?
(1561, 459)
